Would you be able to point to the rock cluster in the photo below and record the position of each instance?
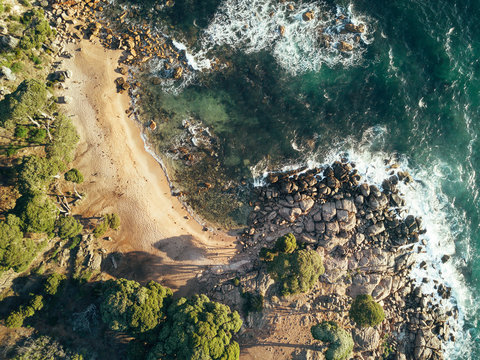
(367, 239)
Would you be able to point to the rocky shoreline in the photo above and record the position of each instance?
(369, 244)
(367, 240)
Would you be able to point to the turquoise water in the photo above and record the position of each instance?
(410, 93)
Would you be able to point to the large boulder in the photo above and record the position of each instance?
(290, 214)
(367, 339)
(329, 211)
(8, 42)
(7, 73)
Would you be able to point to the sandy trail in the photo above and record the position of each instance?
(158, 238)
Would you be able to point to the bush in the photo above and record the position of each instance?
(113, 221)
(21, 132)
(37, 135)
(65, 139)
(15, 251)
(74, 175)
(35, 173)
(39, 214)
(341, 342)
(26, 100)
(253, 302)
(198, 328)
(16, 318)
(68, 227)
(53, 283)
(42, 348)
(267, 254)
(296, 272)
(100, 229)
(286, 244)
(366, 312)
(128, 306)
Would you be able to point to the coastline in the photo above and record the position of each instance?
(157, 230)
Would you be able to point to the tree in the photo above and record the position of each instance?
(35, 173)
(53, 283)
(296, 272)
(286, 243)
(68, 227)
(340, 341)
(15, 251)
(38, 214)
(366, 312)
(21, 132)
(128, 306)
(74, 175)
(29, 97)
(65, 139)
(17, 317)
(42, 348)
(113, 220)
(198, 328)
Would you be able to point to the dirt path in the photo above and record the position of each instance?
(158, 238)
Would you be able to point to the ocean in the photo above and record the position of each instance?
(407, 94)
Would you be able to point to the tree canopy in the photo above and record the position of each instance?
(296, 272)
(38, 213)
(68, 227)
(340, 341)
(74, 175)
(286, 243)
(29, 97)
(366, 312)
(15, 251)
(35, 173)
(133, 308)
(198, 329)
(65, 139)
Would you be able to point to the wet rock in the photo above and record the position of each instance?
(308, 15)
(360, 28)
(445, 258)
(344, 46)
(281, 30)
(365, 189)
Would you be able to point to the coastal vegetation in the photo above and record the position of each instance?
(295, 270)
(340, 342)
(366, 312)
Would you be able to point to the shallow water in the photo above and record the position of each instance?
(409, 92)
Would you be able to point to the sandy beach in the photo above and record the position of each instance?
(158, 239)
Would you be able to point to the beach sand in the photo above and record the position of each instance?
(158, 239)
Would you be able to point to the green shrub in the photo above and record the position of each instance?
(74, 175)
(39, 214)
(366, 312)
(53, 283)
(113, 221)
(286, 244)
(15, 319)
(340, 341)
(68, 227)
(29, 97)
(75, 241)
(236, 281)
(21, 132)
(16, 67)
(198, 328)
(267, 254)
(100, 229)
(15, 251)
(65, 139)
(296, 272)
(37, 135)
(36, 173)
(130, 307)
(253, 302)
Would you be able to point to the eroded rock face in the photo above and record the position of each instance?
(367, 339)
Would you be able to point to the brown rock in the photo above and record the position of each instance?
(308, 15)
(281, 29)
(344, 46)
(355, 28)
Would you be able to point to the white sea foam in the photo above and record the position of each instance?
(446, 226)
(254, 25)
